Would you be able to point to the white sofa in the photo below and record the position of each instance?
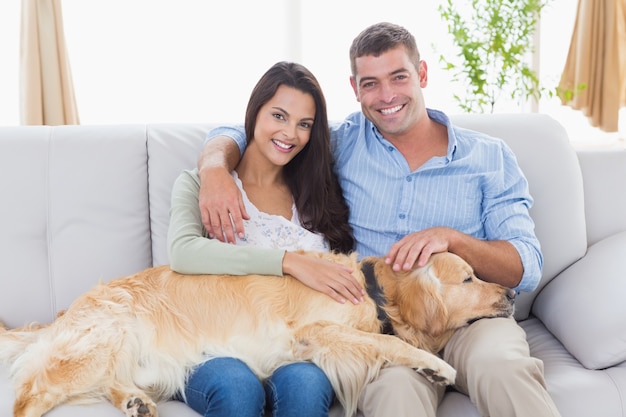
(88, 203)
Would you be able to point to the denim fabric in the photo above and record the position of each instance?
(226, 387)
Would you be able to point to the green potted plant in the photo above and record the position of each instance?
(494, 39)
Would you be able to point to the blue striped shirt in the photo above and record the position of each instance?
(477, 188)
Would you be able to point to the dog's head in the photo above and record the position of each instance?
(426, 305)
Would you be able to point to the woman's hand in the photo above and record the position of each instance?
(322, 275)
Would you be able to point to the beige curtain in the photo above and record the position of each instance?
(595, 69)
(46, 90)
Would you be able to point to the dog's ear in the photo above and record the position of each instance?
(420, 301)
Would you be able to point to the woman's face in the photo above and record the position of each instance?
(283, 124)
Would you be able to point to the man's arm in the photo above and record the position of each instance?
(495, 261)
(508, 254)
(220, 200)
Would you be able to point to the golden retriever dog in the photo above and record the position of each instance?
(134, 340)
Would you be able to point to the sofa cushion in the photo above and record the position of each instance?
(172, 148)
(576, 391)
(75, 211)
(604, 170)
(584, 306)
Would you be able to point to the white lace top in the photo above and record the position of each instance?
(272, 231)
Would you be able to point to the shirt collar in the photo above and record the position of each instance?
(440, 117)
(435, 115)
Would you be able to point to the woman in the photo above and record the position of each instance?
(294, 202)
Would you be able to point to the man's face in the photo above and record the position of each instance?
(389, 90)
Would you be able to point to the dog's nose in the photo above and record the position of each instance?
(510, 294)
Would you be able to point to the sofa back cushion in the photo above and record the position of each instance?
(604, 171)
(172, 148)
(74, 211)
(550, 164)
(89, 203)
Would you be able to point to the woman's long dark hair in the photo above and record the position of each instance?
(309, 175)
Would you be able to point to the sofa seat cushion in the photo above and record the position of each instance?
(576, 390)
(98, 409)
(584, 306)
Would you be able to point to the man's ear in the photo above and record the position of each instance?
(422, 70)
(355, 88)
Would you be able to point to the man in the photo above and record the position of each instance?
(417, 185)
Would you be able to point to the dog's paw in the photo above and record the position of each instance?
(136, 407)
(442, 375)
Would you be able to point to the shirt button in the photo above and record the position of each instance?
(409, 179)
(402, 216)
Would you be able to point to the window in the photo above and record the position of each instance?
(197, 61)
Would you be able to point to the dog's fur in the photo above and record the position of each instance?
(134, 340)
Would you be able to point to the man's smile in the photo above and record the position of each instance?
(392, 110)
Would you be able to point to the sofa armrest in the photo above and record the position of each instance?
(584, 306)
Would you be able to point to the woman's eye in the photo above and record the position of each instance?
(279, 116)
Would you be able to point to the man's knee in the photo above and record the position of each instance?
(400, 390)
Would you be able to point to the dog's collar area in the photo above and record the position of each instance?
(376, 294)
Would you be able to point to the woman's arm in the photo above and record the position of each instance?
(191, 252)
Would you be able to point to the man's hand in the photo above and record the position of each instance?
(328, 277)
(220, 200)
(221, 205)
(493, 260)
(418, 246)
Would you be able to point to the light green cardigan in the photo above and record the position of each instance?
(192, 252)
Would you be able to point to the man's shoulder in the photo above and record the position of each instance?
(347, 131)
(353, 120)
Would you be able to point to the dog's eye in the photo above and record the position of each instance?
(467, 280)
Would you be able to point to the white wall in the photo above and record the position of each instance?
(197, 60)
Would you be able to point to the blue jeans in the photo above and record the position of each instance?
(226, 387)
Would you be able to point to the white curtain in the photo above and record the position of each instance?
(46, 89)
